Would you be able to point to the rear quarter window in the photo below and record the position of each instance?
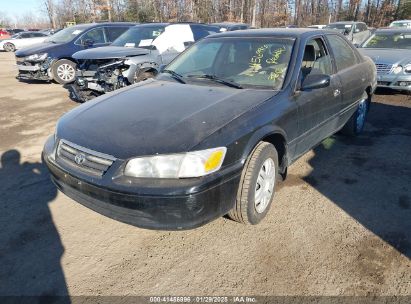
(344, 55)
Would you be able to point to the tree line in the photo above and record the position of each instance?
(258, 13)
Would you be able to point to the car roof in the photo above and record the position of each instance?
(152, 24)
(90, 25)
(270, 32)
(229, 23)
(401, 21)
(394, 30)
(346, 22)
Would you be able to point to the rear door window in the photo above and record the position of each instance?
(343, 53)
(113, 32)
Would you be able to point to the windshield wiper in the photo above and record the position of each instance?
(175, 75)
(218, 79)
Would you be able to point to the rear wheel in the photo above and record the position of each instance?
(64, 71)
(257, 185)
(9, 47)
(355, 124)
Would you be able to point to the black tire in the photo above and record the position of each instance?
(245, 209)
(9, 47)
(144, 75)
(58, 69)
(354, 126)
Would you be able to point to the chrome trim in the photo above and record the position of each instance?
(89, 151)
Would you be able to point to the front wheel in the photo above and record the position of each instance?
(355, 124)
(64, 71)
(257, 185)
(9, 47)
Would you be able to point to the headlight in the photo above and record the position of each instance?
(37, 57)
(397, 69)
(407, 68)
(182, 165)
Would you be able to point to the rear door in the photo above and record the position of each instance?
(349, 72)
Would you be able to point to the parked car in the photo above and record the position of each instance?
(390, 49)
(211, 134)
(134, 56)
(22, 40)
(231, 26)
(14, 31)
(52, 60)
(401, 23)
(4, 34)
(50, 31)
(355, 32)
(317, 26)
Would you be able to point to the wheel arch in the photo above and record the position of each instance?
(275, 136)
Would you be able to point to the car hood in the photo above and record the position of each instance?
(109, 52)
(155, 117)
(42, 47)
(388, 56)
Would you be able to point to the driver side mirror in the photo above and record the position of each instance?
(87, 42)
(346, 31)
(315, 81)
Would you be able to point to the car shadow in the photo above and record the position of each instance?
(369, 177)
(30, 245)
(34, 81)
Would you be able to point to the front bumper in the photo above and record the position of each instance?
(396, 82)
(34, 70)
(162, 209)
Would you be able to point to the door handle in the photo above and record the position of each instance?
(337, 92)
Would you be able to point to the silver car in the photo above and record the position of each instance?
(390, 49)
(355, 32)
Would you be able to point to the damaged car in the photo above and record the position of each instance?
(52, 59)
(135, 56)
(215, 131)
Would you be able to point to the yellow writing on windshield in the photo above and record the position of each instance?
(276, 55)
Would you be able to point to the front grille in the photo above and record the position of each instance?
(87, 161)
(383, 68)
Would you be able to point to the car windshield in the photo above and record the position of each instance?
(65, 35)
(139, 36)
(244, 62)
(341, 27)
(389, 41)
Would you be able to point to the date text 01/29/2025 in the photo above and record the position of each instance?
(202, 299)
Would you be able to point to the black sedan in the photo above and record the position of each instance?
(215, 131)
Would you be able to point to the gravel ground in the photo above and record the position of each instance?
(340, 223)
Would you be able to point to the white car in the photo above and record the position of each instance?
(22, 40)
(317, 26)
(401, 23)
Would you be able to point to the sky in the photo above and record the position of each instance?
(18, 8)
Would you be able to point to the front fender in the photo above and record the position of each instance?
(259, 135)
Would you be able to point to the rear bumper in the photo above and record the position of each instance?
(184, 210)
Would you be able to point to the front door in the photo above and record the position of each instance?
(317, 107)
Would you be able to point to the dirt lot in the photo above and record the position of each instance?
(340, 225)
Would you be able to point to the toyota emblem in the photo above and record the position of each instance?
(79, 158)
